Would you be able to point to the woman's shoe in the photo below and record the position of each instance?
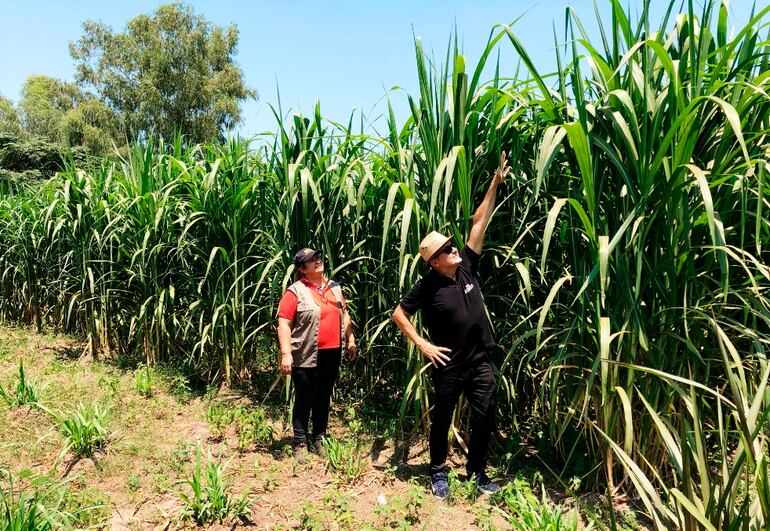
(318, 447)
(300, 453)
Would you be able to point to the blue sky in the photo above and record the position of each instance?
(346, 53)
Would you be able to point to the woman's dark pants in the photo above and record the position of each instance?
(478, 384)
(312, 393)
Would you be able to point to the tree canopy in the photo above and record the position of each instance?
(57, 111)
(44, 102)
(169, 71)
(9, 117)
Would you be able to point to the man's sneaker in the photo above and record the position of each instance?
(300, 453)
(439, 485)
(486, 486)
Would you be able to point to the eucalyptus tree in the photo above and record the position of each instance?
(166, 72)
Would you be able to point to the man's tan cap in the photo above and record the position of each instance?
(432, 244)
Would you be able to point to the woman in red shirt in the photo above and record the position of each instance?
(313, 330)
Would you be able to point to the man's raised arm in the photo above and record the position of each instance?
(483, 214)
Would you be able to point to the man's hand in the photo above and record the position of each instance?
(502, 170)
(286, 362)
(434, 354)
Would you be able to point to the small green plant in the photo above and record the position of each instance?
(111, 384)
(343, 459)
(85, 430)
(630, 521)
(312, 518)
(133, 483)
(161, 483)
(462, 490)
(143, 381)
(338, 504)
(38, 510)
(389, 474)
(483, 517)
(218, 416)
(269, 476)
(208, 500)
(250, 424)
(179, 386)
(27, 392)
(47, 504)
(524, 511)
(402, 513)
(88, 505)
(354, 423)
(180, 455)
(252, 428)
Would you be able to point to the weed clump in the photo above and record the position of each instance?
(250, 424)
(208, 500)
(343, 459)
(27, 392)
(85, 430)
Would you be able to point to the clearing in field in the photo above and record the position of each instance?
(113, 447)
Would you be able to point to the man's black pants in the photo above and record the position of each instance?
(478, 383)
(312, 392)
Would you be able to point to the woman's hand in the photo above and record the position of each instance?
(286, 362)
(435, 354)
(352, 351)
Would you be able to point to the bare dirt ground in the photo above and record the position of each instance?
(134, 481)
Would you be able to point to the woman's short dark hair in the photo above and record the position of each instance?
(298, 274)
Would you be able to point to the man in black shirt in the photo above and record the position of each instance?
(460, 341)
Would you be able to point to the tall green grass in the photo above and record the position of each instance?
(625, 270)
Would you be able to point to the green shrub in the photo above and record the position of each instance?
(208, 500)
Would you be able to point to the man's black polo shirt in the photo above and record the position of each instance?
(453, 311)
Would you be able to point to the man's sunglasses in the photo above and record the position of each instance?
(447, 250)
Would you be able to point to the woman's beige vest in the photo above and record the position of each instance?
(304, 330)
